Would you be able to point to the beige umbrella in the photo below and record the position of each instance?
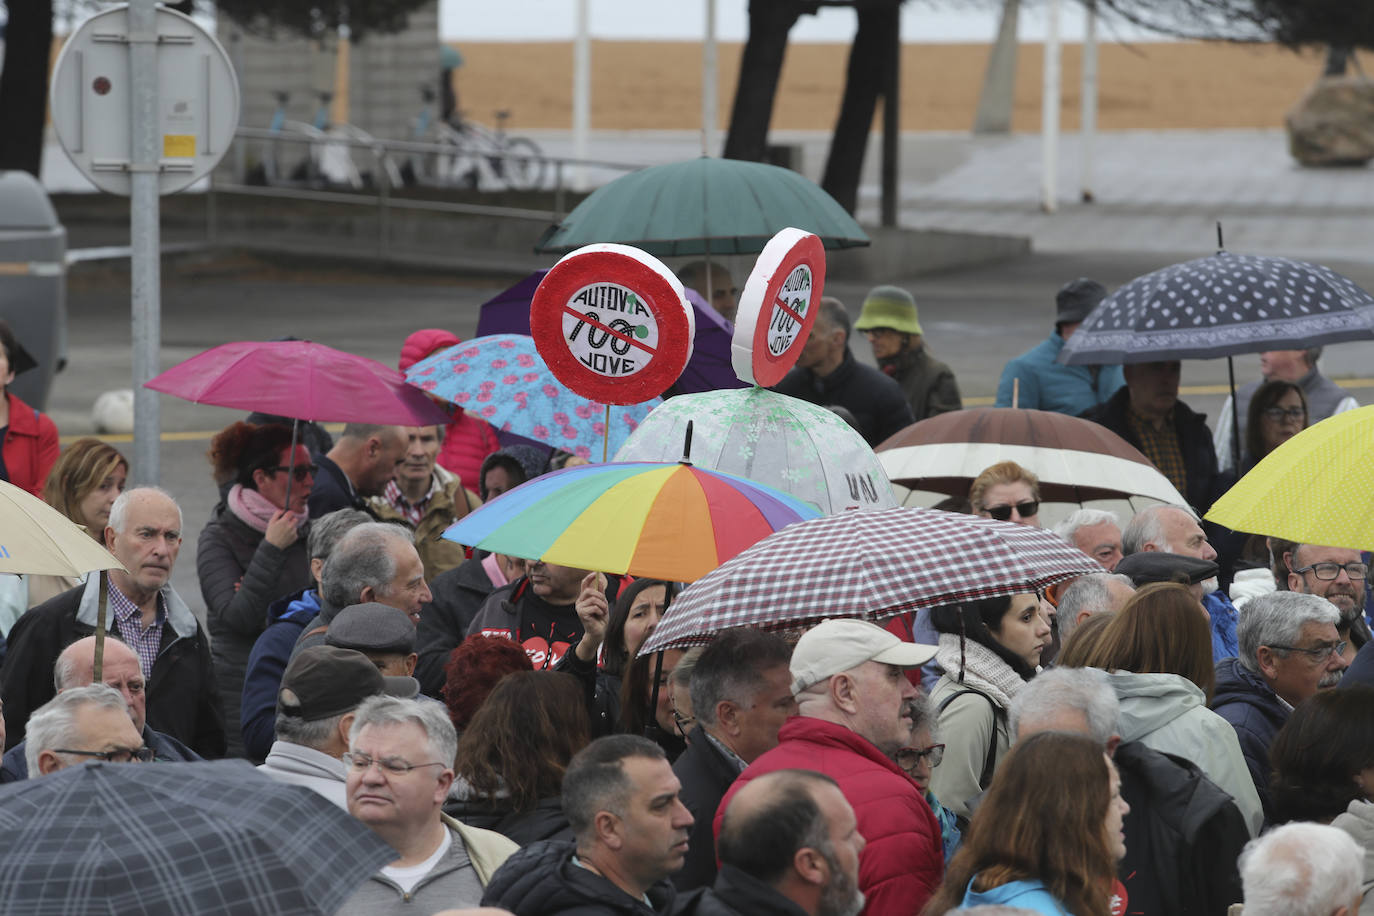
(38, 540)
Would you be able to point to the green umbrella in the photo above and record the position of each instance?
(704, 206)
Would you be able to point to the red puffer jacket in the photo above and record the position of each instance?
(468, 440)
(903, 862)
(30, 446)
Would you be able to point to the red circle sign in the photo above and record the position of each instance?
(613, 324)
(778, 306)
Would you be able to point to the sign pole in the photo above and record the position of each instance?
(145, 235)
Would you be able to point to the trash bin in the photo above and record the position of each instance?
(33, 281)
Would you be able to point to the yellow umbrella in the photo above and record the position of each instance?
(37, 539)
(1316, 488)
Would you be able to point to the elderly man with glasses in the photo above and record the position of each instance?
(80, 725)
(1337, 574)
(1289, 649)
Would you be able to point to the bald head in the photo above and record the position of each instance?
(75, 667)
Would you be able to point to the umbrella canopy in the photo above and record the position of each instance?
(665, 521)
(36, 539)
(871, 565)
(1316, 488)
(299, 379)
(703, 206)
(1220, 306)
(209, 838)
(1076, 460)
(503, 379)
(761, 435)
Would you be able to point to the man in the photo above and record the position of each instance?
(853, 714)
(1183, 833)
(1303, 870)
(827, 374)
(893, 329)
(1147, 413)
(76, 668)
(1289, 649)
(319, 695)
(789, 844)
(1096, 533)
(381, 632)
(400, 763)
(1038, 381)
(1338, 575)
(359, 465)
(630, 834)
(1175, 529)
(1099, 593)
(741, 694)
(144, 534)
(1324, 397)
(81, 725)
(1156, 566)
(719, 289)
(426, 499)
(538, 611)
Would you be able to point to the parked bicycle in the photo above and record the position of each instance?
(473, 154)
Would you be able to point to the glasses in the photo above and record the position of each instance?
(1003, 513)
(1329, 571)
(393, 765)
(1316, 653)
(114, 755)
(683, 723)
(1279, 414)
(299, 472)
(908, 757)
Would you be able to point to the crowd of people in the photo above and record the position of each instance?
(1190, 728)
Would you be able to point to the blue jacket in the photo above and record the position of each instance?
(286, 620)
(1244, 699)
(1023, 895)
(1223, 614)
(1047, 384)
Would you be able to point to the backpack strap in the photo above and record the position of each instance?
(998, 713)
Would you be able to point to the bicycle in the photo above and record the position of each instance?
(475, 155)
(329, 154)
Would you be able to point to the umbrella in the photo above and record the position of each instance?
(761, 435)
(503, 379)
(871, 565)
(703, 206)
(1316, 488)
(213, 837)
(665, 521)
(36, 539)
(709, 368)
(1076, 460)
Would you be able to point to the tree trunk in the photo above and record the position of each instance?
(24, 85)
(869, 59)
(760, 67)
(996, 100)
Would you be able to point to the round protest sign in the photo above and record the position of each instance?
(613, 324)
(778, 306)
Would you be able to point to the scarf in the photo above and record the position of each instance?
(252, 508)
(983, 669)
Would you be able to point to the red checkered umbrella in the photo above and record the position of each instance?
(871, 565)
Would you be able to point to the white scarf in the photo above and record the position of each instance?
(983, 669)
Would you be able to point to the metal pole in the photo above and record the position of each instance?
(145, 238)
(1049, 112)
(1089, 115)
(708, 81)
(582, 94)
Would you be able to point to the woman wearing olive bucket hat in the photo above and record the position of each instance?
(889, 321)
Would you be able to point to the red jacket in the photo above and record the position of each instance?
(30, 447)
(468, 440)
(903, 862)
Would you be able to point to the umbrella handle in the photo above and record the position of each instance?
(291, 463)
(606, 435)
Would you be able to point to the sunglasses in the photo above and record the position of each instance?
(1003, 513)
(300, 472)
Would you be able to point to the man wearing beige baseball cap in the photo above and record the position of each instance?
(853, 713)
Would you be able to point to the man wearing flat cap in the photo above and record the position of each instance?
(854, 712)
(379, 631)
(1157, 566)
(1038, 381)
(893, 329)
(320, 692)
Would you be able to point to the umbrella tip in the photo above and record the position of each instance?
(687, 445)
(1221, 245)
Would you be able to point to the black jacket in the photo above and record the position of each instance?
(546, 822)
(1256, 713)
(541, 880)
(601, 691)
(458, 595)
(15, 765)
(182, 698)
(736, 894)
(1183, 836)
(331, 490)
(705, 774)
(877, 402)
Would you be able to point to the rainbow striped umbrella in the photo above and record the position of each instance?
(664, 521)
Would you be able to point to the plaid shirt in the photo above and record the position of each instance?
(129, 620)
(1161, 447)
(413, 512)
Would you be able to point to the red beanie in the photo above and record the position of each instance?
(423, 343)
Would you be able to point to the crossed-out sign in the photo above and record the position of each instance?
(778, 307)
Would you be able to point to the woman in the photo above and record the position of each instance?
(1158, 651)
(919, 760)
(1278, 412)
(253, 549)
(1046, 837)
(644, 711)
(474, 668)
(988, 650)
(512, 757)
(1007, 492)
(83, 485)
(28, 439)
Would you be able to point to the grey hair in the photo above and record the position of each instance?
(53, 724)
(1301, 869)
(1084, 518)
(1277, 619)
(314, 734)
(1086, 690)
(923, 715)
(732, 668)
(1147, 527)
(1087, 593)
(681, 675)
(119, 511)
(64, 669)
(327, 530)
(1312, 354)
(835, 314)
(360, 559)
(430, 715)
